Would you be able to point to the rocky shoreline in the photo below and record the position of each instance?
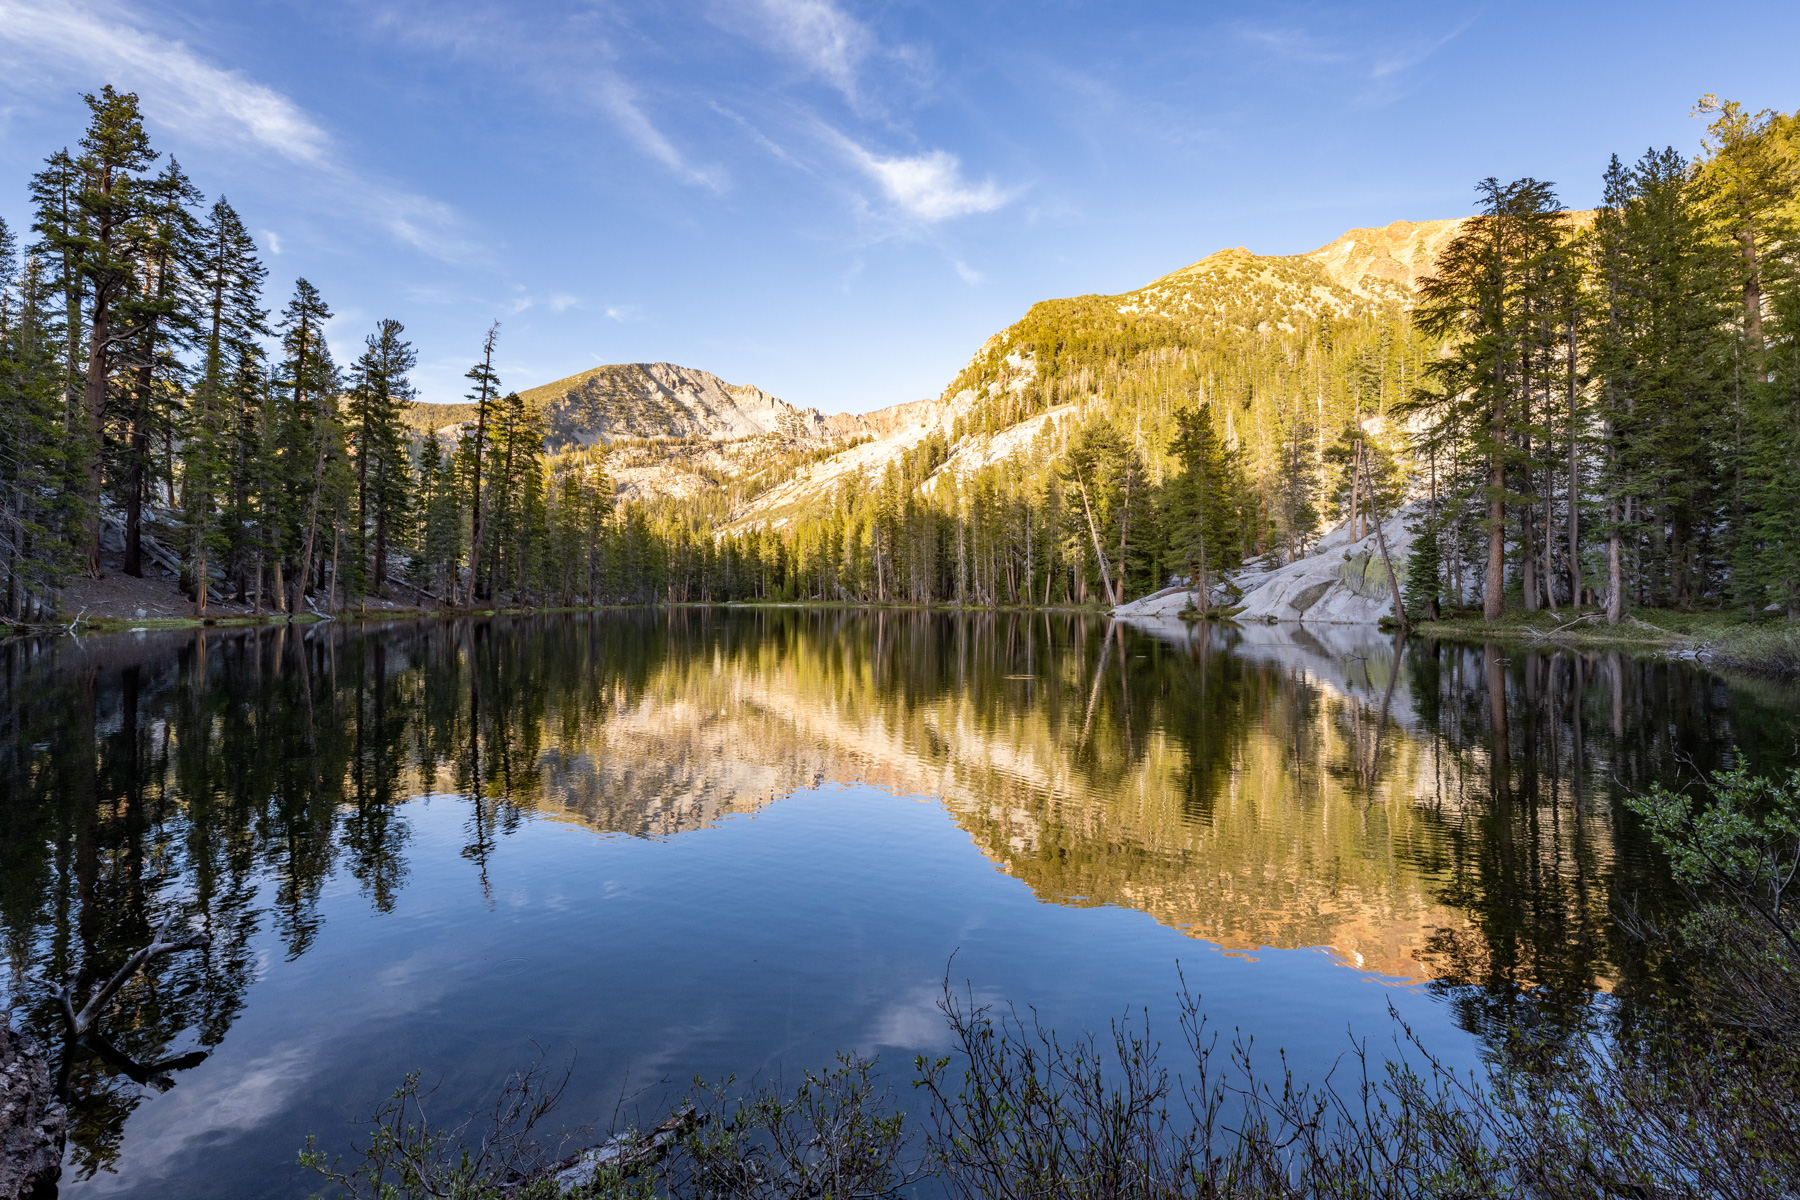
(33, 1122)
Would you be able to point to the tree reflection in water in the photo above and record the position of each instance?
(1425, 812)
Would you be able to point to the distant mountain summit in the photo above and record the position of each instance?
(662, 400)
(1374, 261)
(690, 432)
(1232, 288)
(651, 401)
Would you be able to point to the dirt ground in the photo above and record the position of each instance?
(116, 596)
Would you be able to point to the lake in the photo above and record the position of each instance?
(653, 845)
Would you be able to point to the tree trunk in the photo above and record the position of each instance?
(1094, 533)
(362, 507)
(1752, 294)
(380, 574)
(1574, 478)
(1547, 569)
(1493, 587)
(134, 506)
(1527, 558)
(1387, 560)
(33, 1121)
(312, 520)
(1615, 576)
(94, 401)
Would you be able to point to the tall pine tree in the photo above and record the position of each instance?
(379, 395)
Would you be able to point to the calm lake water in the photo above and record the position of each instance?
(667, 844)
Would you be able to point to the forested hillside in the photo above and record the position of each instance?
(1595, 408)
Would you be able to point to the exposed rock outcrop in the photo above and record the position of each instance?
(1344, 581)
(1402, 253)
(662, 400)
(33, 1122)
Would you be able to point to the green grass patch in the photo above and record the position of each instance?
(1768, 647)
(1734, 639)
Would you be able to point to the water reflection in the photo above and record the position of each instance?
(1426, 813)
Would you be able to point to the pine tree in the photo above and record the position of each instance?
(1747, 189)
(221, 434)
(1201, 523)
(9, 269)
(1662, 361)
(1292, 515)
(160, 313)
(36, 519)
(1106, 474)
(110, 212)
(379, 395)
(485, 388)
(310, 439)
(1424, 569)
(1482, 296)
(440, 544)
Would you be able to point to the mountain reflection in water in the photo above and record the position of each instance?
(1448, 815)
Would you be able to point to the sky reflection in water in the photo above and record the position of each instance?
(703, 843)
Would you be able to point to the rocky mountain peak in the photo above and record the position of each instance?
(1400, 254)
(663, 400)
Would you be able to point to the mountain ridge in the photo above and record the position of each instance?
(691, 432)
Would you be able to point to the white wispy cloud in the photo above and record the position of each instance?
(1398, 58)
(207, 104)
(618, 98)
(775, 150)
(828, 41)
(522, 299)
(194, 97)
(927, 187)
(1297, 45)
(570, 59)
(1376, 58)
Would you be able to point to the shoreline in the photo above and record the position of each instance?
(89, 625)
(1768, 645)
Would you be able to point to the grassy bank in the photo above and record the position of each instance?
(1768, 644)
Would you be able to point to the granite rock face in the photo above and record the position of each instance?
(661, 400)
(1399, 254)
(1342, 582)
(33, 1122)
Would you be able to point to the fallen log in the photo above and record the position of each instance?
(625, 1153)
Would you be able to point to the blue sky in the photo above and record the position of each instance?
(838, 200)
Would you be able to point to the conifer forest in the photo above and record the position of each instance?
(1592, 408)
(423, 778)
